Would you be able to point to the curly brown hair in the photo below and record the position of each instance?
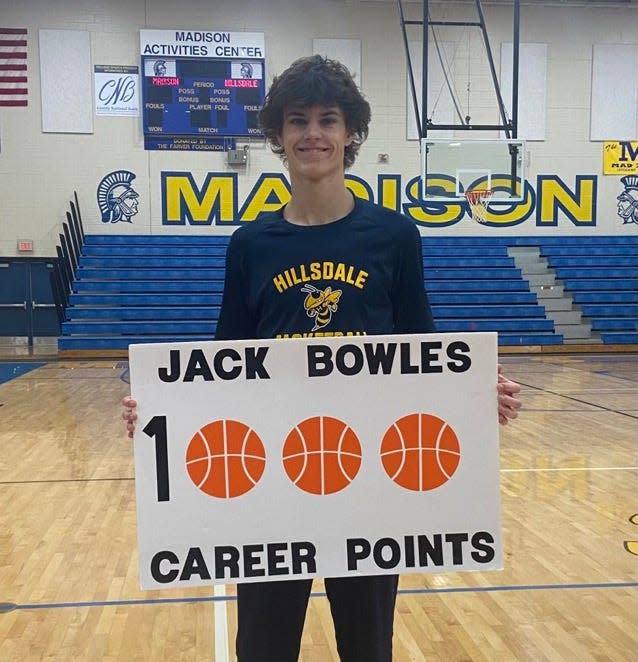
(316, 81)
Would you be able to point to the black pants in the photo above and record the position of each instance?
(271, 617)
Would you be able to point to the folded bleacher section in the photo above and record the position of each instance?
(602, 276)
(131, 289)
(474, 285)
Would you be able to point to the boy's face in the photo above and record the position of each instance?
(314, 139)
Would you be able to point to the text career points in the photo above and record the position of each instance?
(300, 558)
(372, 358)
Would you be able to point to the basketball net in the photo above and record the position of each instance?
(478, 200)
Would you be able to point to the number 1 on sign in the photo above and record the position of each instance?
(156, 428)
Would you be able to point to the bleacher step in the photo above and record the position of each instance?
(574, 331)
(562, 317)
(555, 291)
(556, 304)
(567, 319)
(539, 279)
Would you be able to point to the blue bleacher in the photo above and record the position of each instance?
(95, 301)
(586, 284)
(132, 289)
(104, 250)
(610, 310)
(202, 260)
(586, 260)
(615, 324)
(602, 277)
(585, 272)
(587, 249)
(597, 296)
(619, 338)
(150, 286)
(468, 298)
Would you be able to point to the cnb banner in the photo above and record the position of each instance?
(284, 459)
(620, 157)
(117, 90)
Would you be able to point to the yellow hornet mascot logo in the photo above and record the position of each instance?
(320, 304)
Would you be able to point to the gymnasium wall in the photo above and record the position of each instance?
(569, 195)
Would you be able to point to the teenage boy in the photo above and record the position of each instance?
(326, 264)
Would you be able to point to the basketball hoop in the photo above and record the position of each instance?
(478, 200)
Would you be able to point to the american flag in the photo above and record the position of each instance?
(13, 67)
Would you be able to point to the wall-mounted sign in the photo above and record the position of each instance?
(117, 91)
(201, 89)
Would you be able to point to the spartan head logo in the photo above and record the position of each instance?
(628, 200)
(116, 197)
(320, 304)
(159, 67)
(246, 70)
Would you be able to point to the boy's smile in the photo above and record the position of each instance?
(314, 139)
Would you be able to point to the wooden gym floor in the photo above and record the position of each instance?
(68, 563)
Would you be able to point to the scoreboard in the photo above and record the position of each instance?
(201, 90)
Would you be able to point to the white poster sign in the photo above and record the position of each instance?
(117, 91)
(286, 459)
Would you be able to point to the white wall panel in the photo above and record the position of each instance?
(346, 51)
(65, 81)
(614, 92)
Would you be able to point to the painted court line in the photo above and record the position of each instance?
(221, 624)
(542, 470)
(66, 480)
(594, 410)
(6, 607)
(568, 397)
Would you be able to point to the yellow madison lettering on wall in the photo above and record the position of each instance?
(359, 187)
(620, 157)
(270, 193)
(389, 187)
(432, 214)
(554, 197)
(184, 202)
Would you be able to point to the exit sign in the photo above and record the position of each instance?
(25, 246)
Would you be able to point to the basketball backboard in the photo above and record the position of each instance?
(450, 167)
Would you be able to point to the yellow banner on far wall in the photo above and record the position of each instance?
(620, 157)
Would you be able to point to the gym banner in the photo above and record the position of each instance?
(266, 460)
(620, 157)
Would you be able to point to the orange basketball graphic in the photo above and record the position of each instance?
(225, 459)
(420, 452)
(322, 455)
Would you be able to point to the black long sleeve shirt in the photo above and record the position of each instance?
(362, 274)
